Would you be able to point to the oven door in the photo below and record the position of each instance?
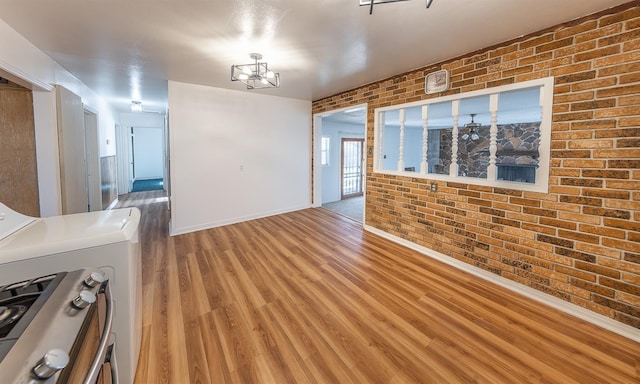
(92, 358)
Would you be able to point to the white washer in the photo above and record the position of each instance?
(31, 247)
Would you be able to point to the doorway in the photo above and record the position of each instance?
(19, 187)
(147, 159)
(338, 184)
(351, 167)
(141, 140)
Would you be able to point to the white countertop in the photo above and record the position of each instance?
(26, 237)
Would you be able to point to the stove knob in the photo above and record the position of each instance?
(52, 361)
(84, 299)
(95, 279)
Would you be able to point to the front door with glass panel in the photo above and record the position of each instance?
(351, 171)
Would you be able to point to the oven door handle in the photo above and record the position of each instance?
(98, 360)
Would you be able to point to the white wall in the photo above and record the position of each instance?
(331, 173)
(236, 156)
(47, 155)
(25, 64)
(92, 101)
(140, 119)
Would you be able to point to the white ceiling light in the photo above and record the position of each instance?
(136, 106)
(255, 75)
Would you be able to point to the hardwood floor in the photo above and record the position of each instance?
(309, 297)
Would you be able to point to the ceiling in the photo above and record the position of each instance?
(128, 49)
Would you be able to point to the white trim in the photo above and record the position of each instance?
(316, 177)
(542, 82)
(316, 156)
(541, 184)
(47, 153)
(559, 304)
(122, 159)
(38, 84)
(348, 109)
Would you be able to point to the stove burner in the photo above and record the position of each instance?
(10, 314)
(19, 303)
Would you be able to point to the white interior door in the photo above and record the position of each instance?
(148, 153)
(71, 143)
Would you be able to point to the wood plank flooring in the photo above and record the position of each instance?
(309, 297)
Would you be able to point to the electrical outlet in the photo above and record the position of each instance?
(434, 187)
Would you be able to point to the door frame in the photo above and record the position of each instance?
(316, 175)
(125, 156)
(122, 159)
(92, 152)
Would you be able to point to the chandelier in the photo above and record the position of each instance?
(473, 129)
(255, 75)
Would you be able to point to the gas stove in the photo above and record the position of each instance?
(46, 327)
(107, 240)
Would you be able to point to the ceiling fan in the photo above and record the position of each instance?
(370, 3)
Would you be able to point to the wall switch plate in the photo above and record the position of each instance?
(434, 187)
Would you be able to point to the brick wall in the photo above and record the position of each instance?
(579, 242)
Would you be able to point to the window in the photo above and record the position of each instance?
(496, 137)
(324, 150)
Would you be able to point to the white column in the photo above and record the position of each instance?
(453, 168)
(401, 154)
(493, 141)
(424, 166)
(380, 142)
(543, 158)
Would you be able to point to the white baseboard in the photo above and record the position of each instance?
(564, 306)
